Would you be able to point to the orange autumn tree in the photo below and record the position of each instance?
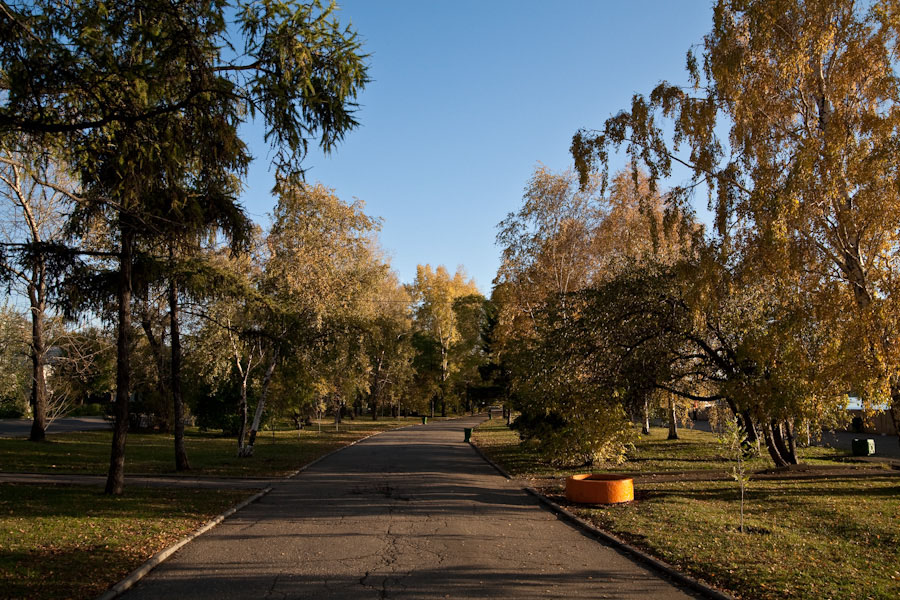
(791, 118)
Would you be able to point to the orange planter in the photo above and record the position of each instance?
(598, 488)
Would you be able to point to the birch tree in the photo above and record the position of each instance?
(37, 194)
(804, 184)
(435, 291)
(321, 266)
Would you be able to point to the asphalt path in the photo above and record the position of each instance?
(22, 427)
(410, 513)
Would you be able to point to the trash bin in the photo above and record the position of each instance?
(424, 420)
(468, 432)
(863, 447)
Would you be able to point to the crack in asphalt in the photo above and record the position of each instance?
(403, 518)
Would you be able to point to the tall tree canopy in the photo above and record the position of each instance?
(434, 293)
(805, 184)
(561, 325)
(149, 97)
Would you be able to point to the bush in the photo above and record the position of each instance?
(11, 410)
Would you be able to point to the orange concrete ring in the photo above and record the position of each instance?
(598, 488)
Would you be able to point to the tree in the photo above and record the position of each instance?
(389, 345)
(562, 244)
(804, 185)
(231, 308)
(435, 292)
(548, 244)
(146, 95)
(566, 387)
(468, 352)
(37, 193)
(14, 371)
(318, 277)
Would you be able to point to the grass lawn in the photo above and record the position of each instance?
(74, 542)
(820, 536)
(694, 451)
(210, 454)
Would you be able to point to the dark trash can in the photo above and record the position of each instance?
(468, 433)
(863, 447)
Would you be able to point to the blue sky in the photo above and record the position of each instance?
(467, 97)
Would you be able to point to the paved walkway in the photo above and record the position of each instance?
(22, 427)
(410, 513)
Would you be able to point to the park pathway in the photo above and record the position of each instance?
(411, 513)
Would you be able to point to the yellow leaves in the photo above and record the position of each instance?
(435, 292)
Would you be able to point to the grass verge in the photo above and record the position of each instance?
(74, 542)
(819, 536)
(210, 454)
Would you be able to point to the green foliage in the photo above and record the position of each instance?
(449, 311)
(148, 101)
(90, 409)
(84, 368)
(790, 123)
(15, 373)
(568, 400)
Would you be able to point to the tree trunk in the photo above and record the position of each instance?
(163, 375)
(778, 436)
(746, 421)
(181, 459)
(645, 417)
(338, 412)
(673, 424)
(444, 368)
(38, 352)
(768, 435)
(790, 433)
(115, 480)
(242, 411)
(261, 405)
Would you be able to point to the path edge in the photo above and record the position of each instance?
(609, 539)
(154, 561)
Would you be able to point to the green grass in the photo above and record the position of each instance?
(829, 535)
(693, 451)
(209, 454)
(824, 538)
(699, 450)
(74, 542)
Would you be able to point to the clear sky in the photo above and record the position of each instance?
(468, 96)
